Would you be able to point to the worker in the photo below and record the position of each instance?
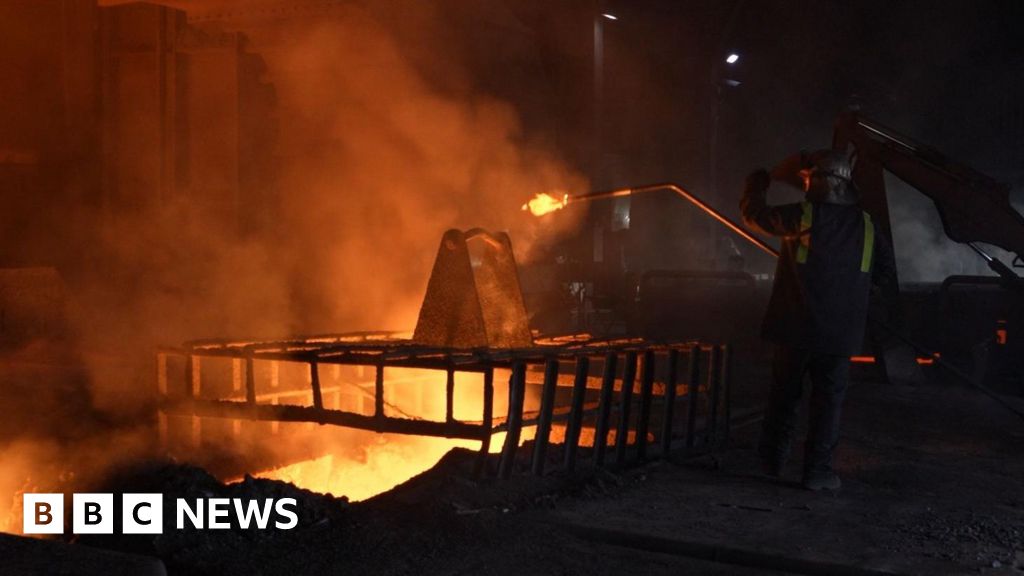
(831, 254)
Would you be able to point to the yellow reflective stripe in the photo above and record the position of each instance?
(805, 234)
(869, 244)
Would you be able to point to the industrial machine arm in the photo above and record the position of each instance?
(973, 207)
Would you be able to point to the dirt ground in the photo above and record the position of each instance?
(932, 485)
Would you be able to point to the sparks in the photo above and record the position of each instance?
(545, 203)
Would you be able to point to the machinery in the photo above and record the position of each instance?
(967, 323)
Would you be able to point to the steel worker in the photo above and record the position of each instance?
(831, 254)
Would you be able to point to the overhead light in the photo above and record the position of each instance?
(610, 16)
(732, 58)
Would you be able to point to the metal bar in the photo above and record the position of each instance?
(488, 422)
(622, 433)
(514, 422)
(646, 389)
(722, 218)
(292, 413)
(250, 381)
(670, 403)
(378, 392)
(449, 396)
(692, 393)
(604, 407)
(314, 380)
(714, 374)
(547, 405)
(572, 431)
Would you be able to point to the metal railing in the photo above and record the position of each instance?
(636, 399)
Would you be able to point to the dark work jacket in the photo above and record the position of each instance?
(821, 303)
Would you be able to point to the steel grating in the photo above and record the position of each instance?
(615, 384)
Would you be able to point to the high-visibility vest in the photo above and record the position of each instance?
(807, 218)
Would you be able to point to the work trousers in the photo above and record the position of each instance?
(830, 375)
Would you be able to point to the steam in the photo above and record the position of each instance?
(923, 251)
(390, 163)
(374, 161)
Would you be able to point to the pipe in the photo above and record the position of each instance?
(722, 218)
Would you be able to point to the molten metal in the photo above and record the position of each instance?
(546, 203)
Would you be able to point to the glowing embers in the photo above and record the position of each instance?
(544, 203)
(922, 361)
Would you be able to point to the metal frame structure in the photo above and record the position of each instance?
(664, 382)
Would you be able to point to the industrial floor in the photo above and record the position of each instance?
(932, 485)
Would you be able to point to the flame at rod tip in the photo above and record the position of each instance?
(544, 203)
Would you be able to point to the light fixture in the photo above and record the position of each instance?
(610, 16)
(732, 58)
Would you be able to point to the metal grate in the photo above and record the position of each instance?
(680, 399)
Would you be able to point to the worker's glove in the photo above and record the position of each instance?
(758, 181)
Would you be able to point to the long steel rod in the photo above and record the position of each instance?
(722, 218)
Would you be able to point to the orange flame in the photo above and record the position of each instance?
(544, 203)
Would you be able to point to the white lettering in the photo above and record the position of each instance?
(253, 510)
(195, 517)
(283, 511)
(218, 508)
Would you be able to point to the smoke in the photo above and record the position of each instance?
(374, 160)
(923, 251)
(389, 162)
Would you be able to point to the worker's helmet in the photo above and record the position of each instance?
(828, 178)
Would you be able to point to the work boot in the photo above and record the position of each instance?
(822, 480)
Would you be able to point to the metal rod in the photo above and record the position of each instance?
(292, 413)
(670, 402)
(622, 433)
(514, 422)
(547, 405)
(378, 391)
(488, 422)
(250, 380)
(646, 389)
(449, 396)
(722, 218)
(604, 407)
(572, 432)
(314, 380)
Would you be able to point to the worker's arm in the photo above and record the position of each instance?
(773, 220)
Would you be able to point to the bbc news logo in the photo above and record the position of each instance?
(144, 513)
